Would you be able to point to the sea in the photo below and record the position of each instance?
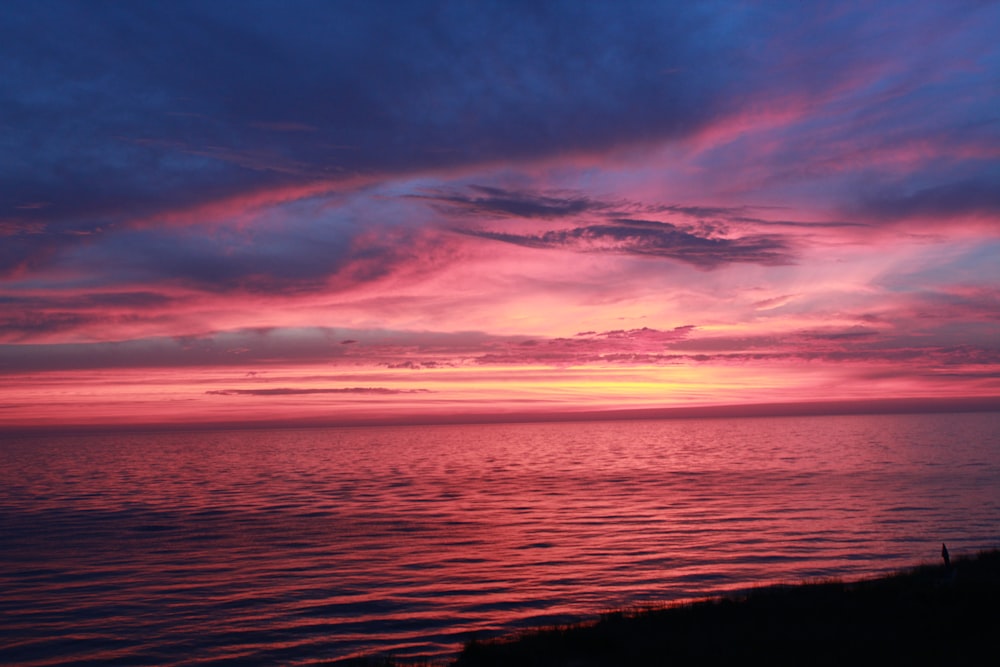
(312, 546)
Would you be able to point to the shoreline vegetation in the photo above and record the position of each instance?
(939, 614)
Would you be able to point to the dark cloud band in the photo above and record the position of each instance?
(643, 238)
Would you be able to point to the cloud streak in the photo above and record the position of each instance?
(502, 202)
(663, 240)
(292, 391)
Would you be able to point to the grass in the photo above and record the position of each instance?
(922, 616)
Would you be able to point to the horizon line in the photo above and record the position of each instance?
(859, 407)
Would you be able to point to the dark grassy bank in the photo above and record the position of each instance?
(927, 615)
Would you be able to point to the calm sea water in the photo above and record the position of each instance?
(302, 546)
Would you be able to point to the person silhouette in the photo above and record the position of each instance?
(944, 555)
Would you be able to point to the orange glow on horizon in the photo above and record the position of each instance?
(300, 394)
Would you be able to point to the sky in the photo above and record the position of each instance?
(252, 212)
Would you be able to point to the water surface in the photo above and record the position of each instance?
(299, 546)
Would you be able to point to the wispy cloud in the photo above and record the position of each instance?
(646, 238)
(292, 391)
(501, 202)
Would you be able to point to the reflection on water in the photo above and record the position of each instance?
(286, 547)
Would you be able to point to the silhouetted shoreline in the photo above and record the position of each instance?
(930, 614)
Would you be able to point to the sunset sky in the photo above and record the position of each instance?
(242, 212)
